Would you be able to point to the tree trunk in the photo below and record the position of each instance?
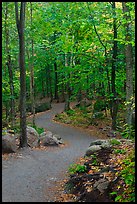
(32, 74)
(12, 102)
(43, 85)
(56, 82)
(114, 102)
(20, 26)
(129, 65)
(50, 86)
(67, 93)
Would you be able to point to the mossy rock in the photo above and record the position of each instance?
(43, 107)
(39, 107)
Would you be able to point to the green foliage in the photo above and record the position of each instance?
(77, 168)
(17, 128)
(114, 142)
(70, 112)
(98, 115)
(119, 151)
(100, 105)
(38, 129)
(127, 174)
(65, 32)
(128, 132)
(94, 160)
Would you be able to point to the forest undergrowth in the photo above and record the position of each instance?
(116, 165)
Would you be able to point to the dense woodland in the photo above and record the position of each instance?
(55, 52)
(67, 51)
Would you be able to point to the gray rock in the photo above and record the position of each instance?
(60, 141)
(48, 141)
(106, 145)
(101, 184)
(92, 149)
(97, 142)
(47, 133)
(9, 144)
(32, 136)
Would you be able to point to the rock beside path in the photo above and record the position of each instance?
(33, 137)
(9, 144)
(97, 145)
(48, 139)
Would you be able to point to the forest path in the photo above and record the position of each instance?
(32, 176)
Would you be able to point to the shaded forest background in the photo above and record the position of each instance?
(67, 51)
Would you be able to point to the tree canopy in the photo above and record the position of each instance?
(72, 50)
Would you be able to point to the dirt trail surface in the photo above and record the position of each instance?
(33, 174)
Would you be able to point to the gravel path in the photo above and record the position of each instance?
(32, 176)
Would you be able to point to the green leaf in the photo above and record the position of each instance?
(113, 193)
(118, 198)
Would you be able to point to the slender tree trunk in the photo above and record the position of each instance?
(47, 81)
(67, 93)
(20, 26)
(129, 65)
(114, 101)
(32, 73)
(9, 65)
(50, 86)
(43, 85)
(56, 82)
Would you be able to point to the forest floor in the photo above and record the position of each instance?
(107, 166)
(41, 175)
(111, 165)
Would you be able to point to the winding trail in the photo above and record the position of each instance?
(32, 176)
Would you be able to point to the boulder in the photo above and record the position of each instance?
(92, 149)
(33, 136)
(9, 144)
(101, 185)
(48, 139)
(98, 145)
(97, 142)
(106, 145)
(60, 141)
(43, 107)
(46, 133)
(40, 106)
